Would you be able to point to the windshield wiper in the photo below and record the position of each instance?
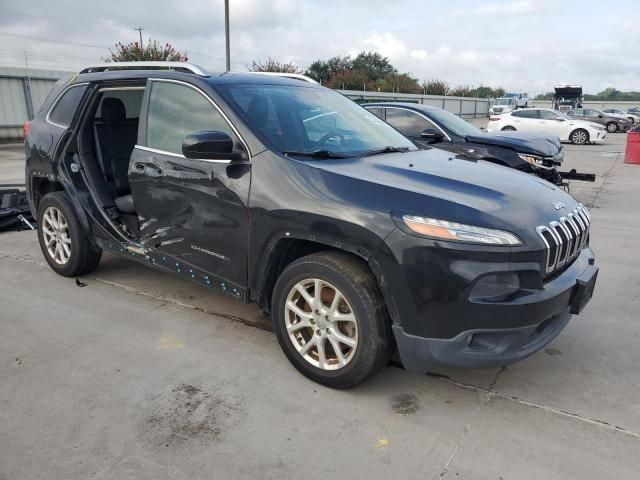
(384, 150)
(316, 154)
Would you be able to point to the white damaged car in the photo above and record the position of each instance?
(552, 122)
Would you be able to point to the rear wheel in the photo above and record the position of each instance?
(579, 136)
(508, 128)
(63, 241)
(330, 319)
(612, 127)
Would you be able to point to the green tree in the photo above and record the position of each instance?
(154, 50)
(271, 65)
(460, 91)
(435, 87)
(399, 83)
(374, 65)
(351, 80)
(323, 71)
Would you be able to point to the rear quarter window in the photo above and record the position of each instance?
(65, 106)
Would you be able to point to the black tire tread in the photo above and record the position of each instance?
(354, 271)
(84, 258)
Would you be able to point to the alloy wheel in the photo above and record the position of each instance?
(55, 231)
(321, 324)
(579, 137)
(612, 127)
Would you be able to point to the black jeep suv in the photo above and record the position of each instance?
(288, 194)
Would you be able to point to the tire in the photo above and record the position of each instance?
(612, 127)
(508, 128)
(58, 224)
(364, 340)
(579, 136)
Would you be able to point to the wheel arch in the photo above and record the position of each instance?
(288, 249)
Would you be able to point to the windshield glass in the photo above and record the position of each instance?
(502, 101)
(451, 122)
(310, 119)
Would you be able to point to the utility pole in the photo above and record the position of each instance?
(140, 29)
(226, 33)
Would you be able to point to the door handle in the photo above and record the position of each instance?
(139, 166)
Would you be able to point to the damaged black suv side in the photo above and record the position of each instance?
(281, 192)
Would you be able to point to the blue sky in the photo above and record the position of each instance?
(523, 45)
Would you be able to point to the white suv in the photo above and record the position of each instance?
(552, 122)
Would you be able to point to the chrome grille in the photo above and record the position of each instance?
(565, 238)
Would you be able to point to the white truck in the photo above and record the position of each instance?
(508, 103)
(522, 99)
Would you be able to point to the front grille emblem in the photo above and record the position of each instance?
(558, 205)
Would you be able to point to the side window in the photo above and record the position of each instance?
(65, 107)
(590, 113)
(378, 112)
(176, 111)
(578, 111)
(409, 123)
(529, 113)
(547, 115)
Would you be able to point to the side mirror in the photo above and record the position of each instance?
(600, 115)
(432, 134)
(559, 119)
(209, 146)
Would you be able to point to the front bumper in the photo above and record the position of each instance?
(458, 330)
(598, 137)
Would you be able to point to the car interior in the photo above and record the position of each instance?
(107, 139)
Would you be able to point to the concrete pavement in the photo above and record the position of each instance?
(139, 375)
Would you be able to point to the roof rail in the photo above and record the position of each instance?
(178, 66)
(295, 76)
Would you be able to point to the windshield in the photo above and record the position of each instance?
(453, 123)
(310, 119)
(501, 101)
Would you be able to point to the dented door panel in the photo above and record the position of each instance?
(193, 210)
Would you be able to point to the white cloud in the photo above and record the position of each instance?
(523, 7)
(387, 44)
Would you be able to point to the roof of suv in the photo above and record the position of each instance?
(118, 70)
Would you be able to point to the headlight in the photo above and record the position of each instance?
(442, 229)
(599, 128)
(532, 159)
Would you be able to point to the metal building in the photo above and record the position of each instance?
(22, 92)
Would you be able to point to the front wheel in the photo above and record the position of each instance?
(330, 319)
(579, 136)
(63, 241)
(508, 128)
(612, 127)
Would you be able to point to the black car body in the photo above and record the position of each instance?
(498, 274)
(433, 127)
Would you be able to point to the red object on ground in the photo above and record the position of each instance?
(25, 128)
(632, 152)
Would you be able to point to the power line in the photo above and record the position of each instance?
(54, 41)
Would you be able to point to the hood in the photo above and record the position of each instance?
(574, 122)
(438, 184)
(535, 144)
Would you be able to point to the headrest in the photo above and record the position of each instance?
(113, 110)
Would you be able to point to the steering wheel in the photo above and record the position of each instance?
(328, 136)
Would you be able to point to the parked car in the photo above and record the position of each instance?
(288, 194)
(567, 97)
(522, 99)
(429, 126)
(498, 106)
(611, 123)
(630, 116)
(551, 122)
